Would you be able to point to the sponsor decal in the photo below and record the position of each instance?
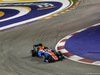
(20, 13)
(15, 13)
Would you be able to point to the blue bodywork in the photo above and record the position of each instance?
(40, 53)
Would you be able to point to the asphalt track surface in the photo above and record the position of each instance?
(15, 44)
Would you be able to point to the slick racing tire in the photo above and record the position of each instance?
(44, 58)
(33, 53)
(50, 59)
(60, 55)
(47, 58)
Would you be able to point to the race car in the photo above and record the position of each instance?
(48, 55)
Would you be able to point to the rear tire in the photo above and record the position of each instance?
(33, 53)
(44, 58)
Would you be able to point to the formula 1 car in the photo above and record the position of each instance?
(48, 55)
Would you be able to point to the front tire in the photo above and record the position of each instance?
(60, 55)
(47, 58)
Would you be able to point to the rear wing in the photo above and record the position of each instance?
(37, 46)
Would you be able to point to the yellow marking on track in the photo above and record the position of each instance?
(5, 1)
(46, 8)
(1, 13)
(17, 7)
